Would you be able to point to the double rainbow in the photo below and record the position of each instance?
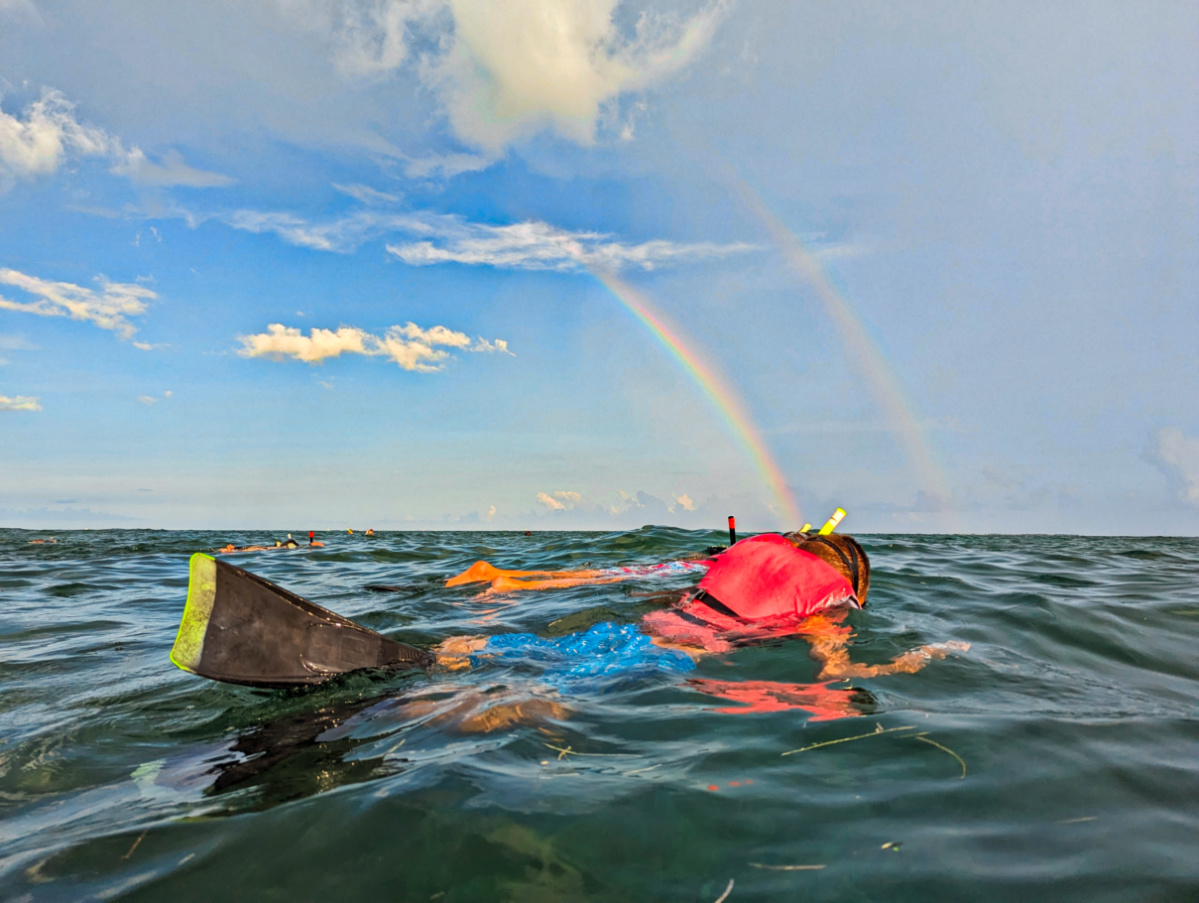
(723, 398)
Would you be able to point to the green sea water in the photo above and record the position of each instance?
(1056, 759)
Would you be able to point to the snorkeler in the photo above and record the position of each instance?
(767, 586)
(240, 628)
(289, 543)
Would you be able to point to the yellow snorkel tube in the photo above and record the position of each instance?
(831, 524)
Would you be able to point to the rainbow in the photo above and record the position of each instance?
(726, 402)
(866, 355)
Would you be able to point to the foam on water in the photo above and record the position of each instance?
(1074, 715)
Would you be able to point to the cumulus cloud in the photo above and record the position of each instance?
(684, 501)
(19, 403)
(108, 307)
(39, 142)
(544, 498)
(521, 66)
(560, 500)
(1178, 454)
(410, 346)
(506, 70)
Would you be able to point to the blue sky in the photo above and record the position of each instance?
(310, 264)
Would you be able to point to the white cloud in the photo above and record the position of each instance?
(19, 403)
(506, 70)
(107, 308)
(535, 245)
(411, 347)
(1180, 455)
(444, 166)
(41, 141)
(521, 66)
(684, 501)
(339, 235)
(443, 238)
(561, 500)
(499, 345)
(153, 399)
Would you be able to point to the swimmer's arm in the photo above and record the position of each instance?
(833, 654)
(455, 652)
(482, 572)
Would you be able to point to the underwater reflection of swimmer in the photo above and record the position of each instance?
(304, 754)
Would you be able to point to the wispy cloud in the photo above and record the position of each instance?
(445, 166)
(171, 171)
(412, 348)
(14, 343)
(340, 235)
(540, 246)
(444, 238)
(367, 195)
(108, 307)
(19, 403)
(49, 132)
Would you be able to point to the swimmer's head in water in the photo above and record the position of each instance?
(843, 553)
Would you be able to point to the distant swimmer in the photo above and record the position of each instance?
(230, 548)
(37, 542)
(289, 543)
(370, 531)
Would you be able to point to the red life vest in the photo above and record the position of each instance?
(768, 577)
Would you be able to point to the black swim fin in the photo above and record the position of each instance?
(242, 629)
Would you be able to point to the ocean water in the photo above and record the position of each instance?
(1056, 759)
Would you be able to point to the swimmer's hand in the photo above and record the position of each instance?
(837, 666)
(911, 662)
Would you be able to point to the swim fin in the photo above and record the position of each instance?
(242, 629)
